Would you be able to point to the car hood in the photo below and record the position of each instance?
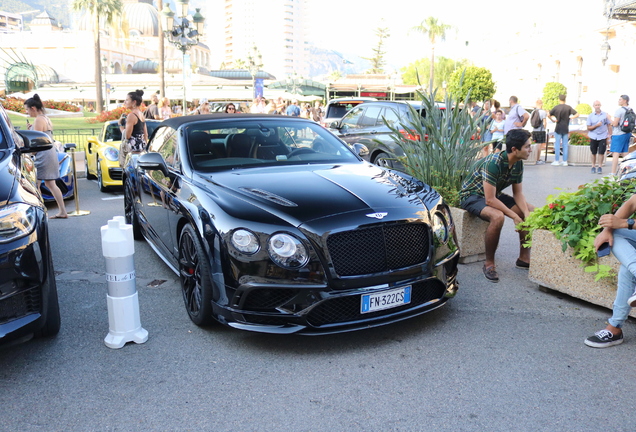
(311, 192)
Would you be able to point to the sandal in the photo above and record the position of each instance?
(58, 216)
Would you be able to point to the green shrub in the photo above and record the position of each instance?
(573, 217)
(583, 108)
(578, 139)
(551, 93)
(440, 156)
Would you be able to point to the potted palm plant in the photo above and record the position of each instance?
(440, 150)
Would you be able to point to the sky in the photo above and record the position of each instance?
(349, 25)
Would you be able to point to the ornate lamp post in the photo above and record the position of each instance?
(291, 84)
(254, 64)
(605, 49)
(183, 33)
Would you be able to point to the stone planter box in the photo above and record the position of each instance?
(579, 156)
(560, 271)
(470, 231)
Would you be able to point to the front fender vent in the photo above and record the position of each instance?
(270, 197)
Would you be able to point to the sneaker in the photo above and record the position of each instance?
(594, 170)
(564, 163)
(491, 273)
(522, 264)
(556, 163)
(599, 170)
(604, 339)
(632, 300)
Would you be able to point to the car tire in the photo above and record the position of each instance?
(195, 275)
(89, 175)
(100, 180)
(52, 322)
(129, 212)
(383, 160)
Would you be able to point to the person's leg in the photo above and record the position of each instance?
(495, 219)
(557, 148)
(602, 146)
(57, 194)
(593, 151)
(524, 252)
(624, 249)
(615, 156)
(565, 148)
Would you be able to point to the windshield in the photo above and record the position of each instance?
(212, 145)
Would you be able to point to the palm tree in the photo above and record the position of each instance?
(109, 11)
(434, 29)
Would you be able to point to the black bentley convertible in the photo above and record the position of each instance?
(275, 225)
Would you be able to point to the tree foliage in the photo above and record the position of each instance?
(476, 80)
(583, 109)
(377, 61)
(551, 93)
(109, 11)
(435, 30)
(444, 67)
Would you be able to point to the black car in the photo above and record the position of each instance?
(275, 225)
(28, 294)
(365, 124)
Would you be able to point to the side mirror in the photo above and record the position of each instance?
(35, 141)
(69, 146)
(153, 162)
(361, 150)
(334, 125)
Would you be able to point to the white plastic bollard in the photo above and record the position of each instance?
(118, 247)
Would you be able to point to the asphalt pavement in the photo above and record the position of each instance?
(498, 357)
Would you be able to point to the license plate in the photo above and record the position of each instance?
(385, 299)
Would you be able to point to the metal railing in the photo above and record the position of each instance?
(77, 136)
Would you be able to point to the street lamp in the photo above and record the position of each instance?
(291, 84)
(254, 64)
(605, 49)
(183, 33)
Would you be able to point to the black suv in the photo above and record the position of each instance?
(28, 294)
(364, 124)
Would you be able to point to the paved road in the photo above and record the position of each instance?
(499, 357)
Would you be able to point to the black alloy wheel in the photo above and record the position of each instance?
(383, 160)
(129, 211)
(196, 282)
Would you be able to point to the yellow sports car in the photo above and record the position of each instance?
(102, 154)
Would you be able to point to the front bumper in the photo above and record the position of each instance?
(22, 276)
(317, 309)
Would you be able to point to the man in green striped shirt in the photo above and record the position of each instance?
(482, 195)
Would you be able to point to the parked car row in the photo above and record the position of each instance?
(102, 154)
(275, 225)
(367, 124)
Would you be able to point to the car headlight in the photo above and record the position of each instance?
(245, 241)
(440, 227)
(111, 153)
(16, 221)
(287, 251)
